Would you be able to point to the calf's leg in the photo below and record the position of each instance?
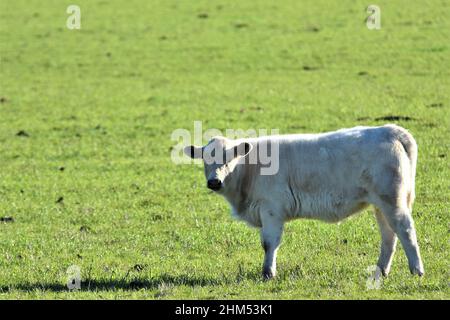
(272, 228)
(388, 243)
(401, 222)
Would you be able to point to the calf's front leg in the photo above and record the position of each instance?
(272, 228)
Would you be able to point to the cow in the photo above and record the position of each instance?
(327, 176)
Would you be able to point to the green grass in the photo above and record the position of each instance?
(103, 101)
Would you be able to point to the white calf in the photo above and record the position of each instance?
(327, 176)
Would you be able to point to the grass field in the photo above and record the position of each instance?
(86, 118)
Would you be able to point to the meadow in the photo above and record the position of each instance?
(86, 116)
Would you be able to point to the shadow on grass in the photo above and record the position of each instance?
(162, 281)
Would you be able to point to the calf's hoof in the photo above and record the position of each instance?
(417, 270)
(268, 274)
(384, 271)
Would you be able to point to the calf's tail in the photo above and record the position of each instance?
(409, 144)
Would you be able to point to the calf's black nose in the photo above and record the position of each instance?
(214, 184)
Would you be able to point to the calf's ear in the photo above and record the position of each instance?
(242, 149)
(194, 152)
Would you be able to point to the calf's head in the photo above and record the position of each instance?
(220, 157)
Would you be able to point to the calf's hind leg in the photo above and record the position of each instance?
(388, 243)
(401, 222)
